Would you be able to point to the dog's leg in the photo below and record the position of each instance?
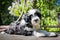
(48, 34)
(8, 31)
(28, 31)
(37, 34)
(43, 33)
(51, 34)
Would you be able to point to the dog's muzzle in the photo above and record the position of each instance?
(35, 22)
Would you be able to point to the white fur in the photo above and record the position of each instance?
(37, 34)
(22, 22)
(32, 11)
(33, 22)
(2, 32)
(36, 25)
(29, 29)
(52, 34)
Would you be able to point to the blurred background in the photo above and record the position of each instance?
(50, 10)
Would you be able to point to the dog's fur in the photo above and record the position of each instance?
(29, 25)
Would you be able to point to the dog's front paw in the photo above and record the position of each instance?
(37, 34)
(52, 34)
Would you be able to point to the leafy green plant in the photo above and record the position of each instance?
(48, 11)
(46, 7)
(5, 18)
(53, 29)
(17, 7)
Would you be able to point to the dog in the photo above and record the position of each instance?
(29, 25)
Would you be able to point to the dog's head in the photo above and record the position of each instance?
(33, 17)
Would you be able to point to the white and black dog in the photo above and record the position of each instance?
(29, 25)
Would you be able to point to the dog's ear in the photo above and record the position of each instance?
(38, 14)
(27, 18)
(30, 17)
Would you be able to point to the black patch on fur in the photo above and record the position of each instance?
(38, 14)
(27, 18)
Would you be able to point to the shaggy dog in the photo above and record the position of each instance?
(29, 25)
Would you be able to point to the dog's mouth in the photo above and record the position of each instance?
(36, 26)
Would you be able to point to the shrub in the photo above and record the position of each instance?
(46, 7)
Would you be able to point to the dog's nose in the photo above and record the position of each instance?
(36, 20)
